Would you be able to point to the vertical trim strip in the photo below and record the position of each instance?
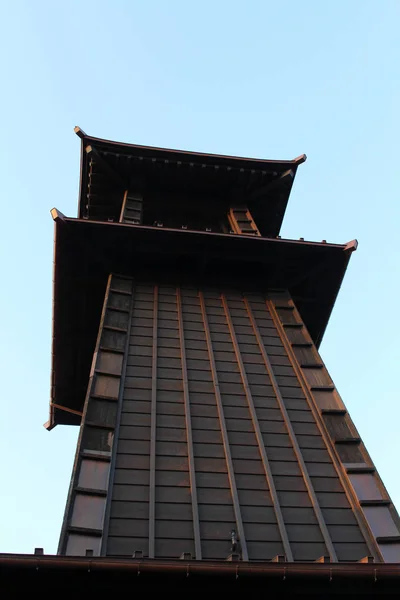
(107, 515)
(122, 214)
(353, 500)
(153, 425)
(293, 439)
(63, 541)
(260, 441)
(228, 457)
(192, 474)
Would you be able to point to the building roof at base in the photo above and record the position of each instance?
(102, 575)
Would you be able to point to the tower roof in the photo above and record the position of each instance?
(86, 252)
(108, 168)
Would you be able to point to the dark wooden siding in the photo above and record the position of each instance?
(189, 475)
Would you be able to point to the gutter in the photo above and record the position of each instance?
(328, 571)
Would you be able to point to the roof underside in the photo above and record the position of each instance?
(86, 252)
(109, 168)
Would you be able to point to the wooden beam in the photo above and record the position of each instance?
(285, 180)
(79, 132)
(108, 170)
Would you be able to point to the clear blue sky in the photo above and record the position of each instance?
(256, 78)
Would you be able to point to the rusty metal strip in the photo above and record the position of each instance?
(192, 473)
(107, 514)
(153, 424)
(293, 438)
(257, 430)
(347, 487)
(228, 457)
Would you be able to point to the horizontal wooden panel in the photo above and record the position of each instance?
(209, 423)
(106, 386)
(210, 465)
(169, 409)
(213, 530)
(131, 476)
(326, 484)
(173, 494)
(321, 469)
(345, 533)
(173, 512)
(278, 360)
(165, 434)
(195, 354)
(102, 411)
(169, 373)
(145, 332)
(245, 452)
(259, 379)
(136, 383)
(258, 514)
(208, 450)
(277, 440)
(203, 387)
(117, 319)
(294, 499)
(132, 461)
(202, 436)
(171, 448)
(238, 399)
(299, 515)
(171, 463)
(176, 479)
(88, 511)
(268, 427)
(301, 416)
(130, 432)
(217, 513)
(350, 551)
(137, 394)
(98, 439)
(284, 454)
(284, 467)
(208, 410)
(289, 483)
(214, 496)
(194, 364)
(308, 551)
(250, 481)
(310, 441)
(135, 493)
(128, 418)
(212, 480)
(166, 342)
(170, 396)
(133, 446)
(129, 510)
(305, 428)
(240, 425)
(174, 530)
(248, 466)
(241, 438)
(169, 385)
(126, 546)
(139, 361)
(129, 527)
(169, 362)
(262, 390)
(139, 371)
(316, 455)
(264, 550)
(332, 500)
(254, 498)
(173, 421)
(262, 532)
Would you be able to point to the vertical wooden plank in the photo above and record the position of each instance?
(228, 457)
(257, 430)
(343, 477)
(153, 424)
(292, 435)
(189, 437)
(103, 550)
